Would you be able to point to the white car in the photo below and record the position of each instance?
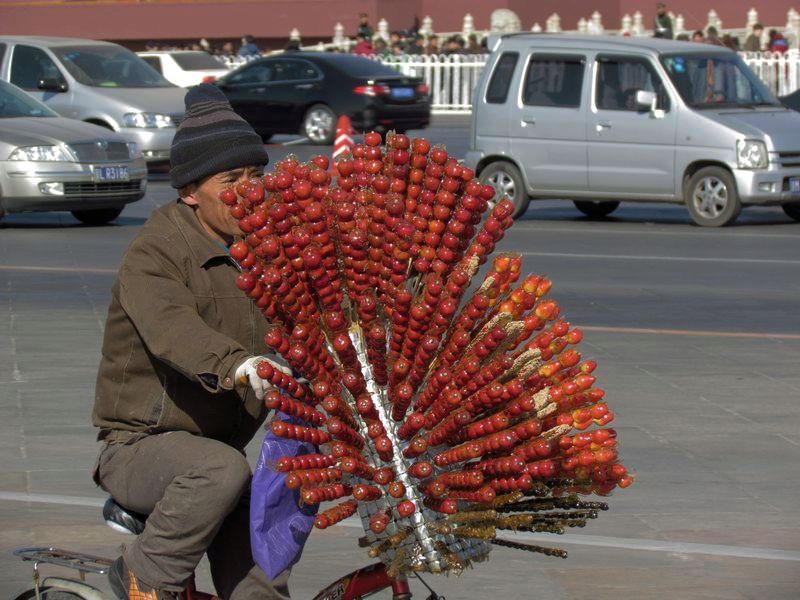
(185, 67)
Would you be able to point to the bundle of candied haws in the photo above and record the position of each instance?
(441, 417)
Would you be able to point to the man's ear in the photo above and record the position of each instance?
(186, 194)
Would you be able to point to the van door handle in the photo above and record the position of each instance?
(603, 125)
(304, 86)
(529, 120)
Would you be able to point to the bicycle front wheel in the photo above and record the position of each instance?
(49, 593)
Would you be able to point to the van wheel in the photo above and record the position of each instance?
(595, 209)
(792, 210)
(712, 198)
(100, 216)
(506, 180)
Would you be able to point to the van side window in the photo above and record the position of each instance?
(153, 61)
(497, 91)
(2, 52)
(554, 81)
(30, 65)
(618, 80)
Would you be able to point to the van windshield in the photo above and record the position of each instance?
(716, 80)
(109, 66)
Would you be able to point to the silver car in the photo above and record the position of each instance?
(602, 119)
(97, 82)
(51, 163)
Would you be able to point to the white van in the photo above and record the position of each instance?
(97, 82)
(599, 119)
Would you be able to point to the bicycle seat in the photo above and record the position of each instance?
(121, 519)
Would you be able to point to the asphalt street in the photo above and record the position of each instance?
(696, 331)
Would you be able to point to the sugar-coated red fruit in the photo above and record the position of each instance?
(372, 138)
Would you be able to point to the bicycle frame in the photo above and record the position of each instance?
(364, 581)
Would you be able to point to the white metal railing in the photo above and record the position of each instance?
(452, 78)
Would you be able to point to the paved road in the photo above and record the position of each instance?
(697, 333)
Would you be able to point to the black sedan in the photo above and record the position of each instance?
(306, 92)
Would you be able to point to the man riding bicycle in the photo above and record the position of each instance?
(178, 336)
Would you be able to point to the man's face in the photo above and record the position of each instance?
(213, 214)
(661, 9)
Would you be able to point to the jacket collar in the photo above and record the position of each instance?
(202, 245)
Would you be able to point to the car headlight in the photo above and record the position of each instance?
(147, 120)
(751, 154)
(134, 151)
(39, 154)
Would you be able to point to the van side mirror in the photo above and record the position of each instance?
(646, 100)
(52, 85)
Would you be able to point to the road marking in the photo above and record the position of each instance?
(756, 261)
(690, 332)
(57, 269)
(578, 540)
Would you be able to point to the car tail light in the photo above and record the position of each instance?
(423, 89)
(209, 79)
(372, 90)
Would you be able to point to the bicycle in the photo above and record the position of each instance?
(361, 583)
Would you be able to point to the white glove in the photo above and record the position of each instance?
(246, 373)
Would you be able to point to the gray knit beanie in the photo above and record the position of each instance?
(212, 138)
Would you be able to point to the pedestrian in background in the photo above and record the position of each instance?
(363, 46)
(364, 28)
(712, 37)
(698, 37)
(662, 24)
(248, 47)
(753, 41)
(777, 43)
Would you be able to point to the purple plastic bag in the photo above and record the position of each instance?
(279, 525)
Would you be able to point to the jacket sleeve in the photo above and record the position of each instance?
(156, 297)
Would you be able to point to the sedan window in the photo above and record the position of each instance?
(293, 70)
(258, 73)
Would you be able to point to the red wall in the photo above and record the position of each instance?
(274, 19)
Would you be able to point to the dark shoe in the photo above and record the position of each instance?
(126, 587)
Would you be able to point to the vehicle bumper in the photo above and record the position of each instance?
(154, 143)
(383, 118)
(20, 190)
(766, 186)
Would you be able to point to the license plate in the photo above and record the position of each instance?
(111, 174)
(794, 185)
(402, 93)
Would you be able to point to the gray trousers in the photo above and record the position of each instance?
(196, 491)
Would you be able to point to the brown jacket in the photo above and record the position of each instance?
(177, 328)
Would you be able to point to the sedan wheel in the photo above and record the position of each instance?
(319, 124)
(711, 197)
(507, 181)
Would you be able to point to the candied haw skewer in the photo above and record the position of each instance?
(420, 470)
(306, 461)
(376, 352)
(304, 477)
(336, 407)
(365, 492)
(335, 514)
(412, 424)
(448, 506)
(274, 400)
(356, 467)
(501, 466)
(379, 521)
(300, 433)
(283, 381)
(325, 493)
(483, 495)
(461, 479)
(510, 484)
(341, 431)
